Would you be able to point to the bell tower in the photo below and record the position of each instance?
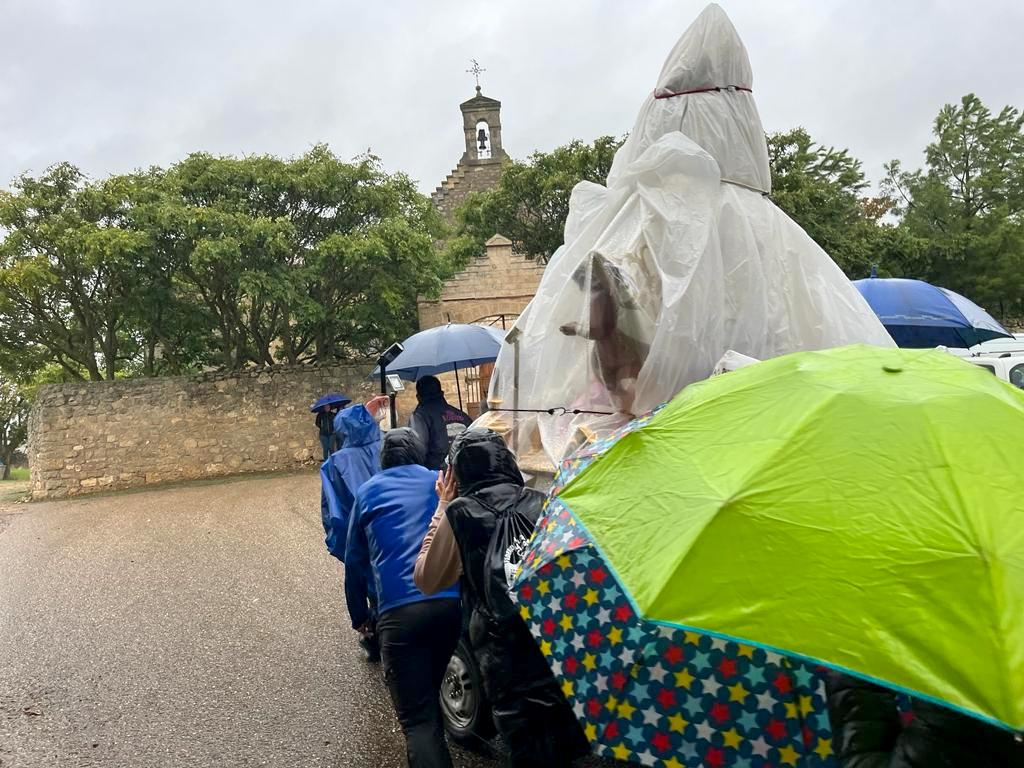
(479, 168)
(481, 122)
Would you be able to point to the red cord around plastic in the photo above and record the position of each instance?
(704, 90)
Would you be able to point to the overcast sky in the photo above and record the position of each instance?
(112, 85)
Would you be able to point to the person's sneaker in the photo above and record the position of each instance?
(371, 647)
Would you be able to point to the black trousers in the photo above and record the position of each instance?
(416, 642)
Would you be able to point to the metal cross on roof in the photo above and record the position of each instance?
(475, 71)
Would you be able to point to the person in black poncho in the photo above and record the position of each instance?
(530, 713)
(868, 732)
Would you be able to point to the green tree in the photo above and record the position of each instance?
(302, 260)
(531, 202)
(965, 208)
(169, 329)
(67, 274)
(822, 189)
(13, 422)
(216, 261)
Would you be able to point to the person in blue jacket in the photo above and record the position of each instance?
(345, 470)
(417, 632)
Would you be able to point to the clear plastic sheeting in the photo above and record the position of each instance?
(732, 361)
(705, 91)
(678, 260)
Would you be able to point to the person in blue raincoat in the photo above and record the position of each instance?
(417, 632)
(341, 475)
(345, 470)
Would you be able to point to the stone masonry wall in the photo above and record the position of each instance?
(499, 282)
(114, 435)
(461, 181)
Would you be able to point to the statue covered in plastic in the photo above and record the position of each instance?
(681, 258)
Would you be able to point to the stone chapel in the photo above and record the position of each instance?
(499, 283)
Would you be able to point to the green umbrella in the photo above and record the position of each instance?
(859, 508)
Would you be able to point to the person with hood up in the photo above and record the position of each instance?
(417, 632)
(530, 713)
(345, 470)
(435, 421)
(868, 732)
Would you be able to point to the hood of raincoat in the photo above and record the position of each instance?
(402, 447)
(357, 427)
(482, 459)
(705, 91)
(345, 470)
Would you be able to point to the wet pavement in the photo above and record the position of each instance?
(200, 625)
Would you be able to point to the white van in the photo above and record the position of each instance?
(1007, 366)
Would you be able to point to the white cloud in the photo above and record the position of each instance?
(116, 84)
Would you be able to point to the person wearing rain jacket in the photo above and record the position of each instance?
(868, 732)
(417, 632)
(436, 421)
(325, 426)
(530, 713)
(345, 470)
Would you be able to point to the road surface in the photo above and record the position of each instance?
(200, 625)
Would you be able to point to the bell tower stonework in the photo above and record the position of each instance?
(479, 167)
(496, 285)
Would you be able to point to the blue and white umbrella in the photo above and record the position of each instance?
(445, 349)
(919, 314)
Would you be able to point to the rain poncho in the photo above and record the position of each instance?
(348, 468)
(868, 732)
(679, 259)
(389, 520)
(529, 710)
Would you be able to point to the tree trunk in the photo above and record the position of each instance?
(7, 465)
(110, 350)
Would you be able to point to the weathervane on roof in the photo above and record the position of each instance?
(475, 71)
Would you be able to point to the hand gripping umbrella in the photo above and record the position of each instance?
(856, 509)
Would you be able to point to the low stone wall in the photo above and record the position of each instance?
(102, 436)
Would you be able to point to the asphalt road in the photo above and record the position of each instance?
(192, 626)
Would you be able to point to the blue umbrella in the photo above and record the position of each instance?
(334, 398)
(445, 349)
(918, 314)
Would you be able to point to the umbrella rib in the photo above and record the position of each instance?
(995, 602)
(742, 482)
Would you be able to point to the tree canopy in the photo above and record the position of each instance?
(13, 422)
(962, 215)
(215, 261)
(822, 189)
(531, 202)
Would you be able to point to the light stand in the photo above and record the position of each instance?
(383, 362)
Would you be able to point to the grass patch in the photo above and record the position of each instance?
(18, 474)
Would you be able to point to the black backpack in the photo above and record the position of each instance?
(513, 529)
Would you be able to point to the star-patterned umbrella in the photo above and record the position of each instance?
(658, 695)
(696, 574)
